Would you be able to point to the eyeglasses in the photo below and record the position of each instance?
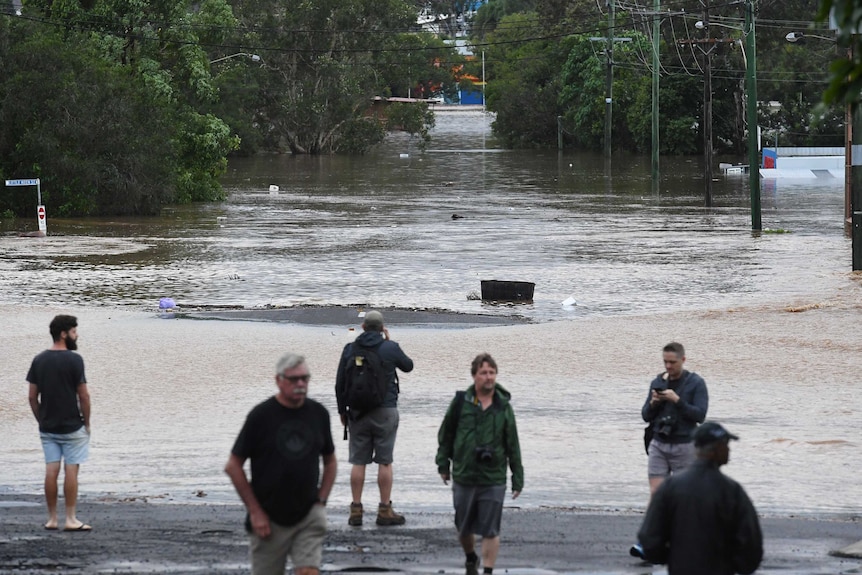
(295, 378)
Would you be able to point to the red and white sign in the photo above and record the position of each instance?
(43, 224)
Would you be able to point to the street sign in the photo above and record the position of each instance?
(32, 182)
(43, 224)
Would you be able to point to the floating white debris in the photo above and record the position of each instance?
(569, 302)
(167, 303)
(273, 188)
(361, 314)
(403, 155)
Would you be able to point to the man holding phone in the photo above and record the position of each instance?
(676, 403)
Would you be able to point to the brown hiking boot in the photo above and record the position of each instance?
(355, 518)
(387, 516)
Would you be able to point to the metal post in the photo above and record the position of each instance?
(848, 169)
(857, 241)
(751, 116)
(609, 79)
(655, 76)
(856, 189)
(483, 79)
(848, 162)
(559, 132)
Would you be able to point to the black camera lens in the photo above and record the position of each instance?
(484, 454)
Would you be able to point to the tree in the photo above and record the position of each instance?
(324, 63)
(121, 129)
(526, 81)
(100, 143)
(845, 73)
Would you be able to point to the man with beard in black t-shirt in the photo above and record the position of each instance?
(60, 402)
(285, 437)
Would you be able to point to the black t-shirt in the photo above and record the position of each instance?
(57, 375)
(284, 446)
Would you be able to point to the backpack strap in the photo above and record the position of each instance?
(460, 396)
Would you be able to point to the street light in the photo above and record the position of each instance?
(750, 57)
(254, 57)
(798, 36)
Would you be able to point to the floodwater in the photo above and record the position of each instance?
(170, 394)
(378, 230)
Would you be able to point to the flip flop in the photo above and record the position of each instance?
(81, 527)
(50, 528)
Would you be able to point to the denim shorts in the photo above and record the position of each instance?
(73, 448)
(372, 436)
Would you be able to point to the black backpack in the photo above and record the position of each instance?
(365, 379)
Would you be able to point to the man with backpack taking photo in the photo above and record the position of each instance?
(366, 388)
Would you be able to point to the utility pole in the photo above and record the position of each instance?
(751, 116)
(656, 21)
(707, 114)
(609, 79)
(707, 102)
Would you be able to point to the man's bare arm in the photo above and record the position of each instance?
(84, 402)
(33, 396)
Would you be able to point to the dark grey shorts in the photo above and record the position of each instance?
(372, 436)
(478, 509)
(666, 459)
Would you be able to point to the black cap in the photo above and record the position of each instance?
(711, 432)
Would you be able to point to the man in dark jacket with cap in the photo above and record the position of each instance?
(372, 432)
(701, 522)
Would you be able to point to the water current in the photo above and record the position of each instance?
(378, 229)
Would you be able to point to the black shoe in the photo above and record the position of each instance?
(637, 551)
(472, 567)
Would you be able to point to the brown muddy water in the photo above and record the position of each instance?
(771, 320)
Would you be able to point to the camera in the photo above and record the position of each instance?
(484, 454)
(665, 425)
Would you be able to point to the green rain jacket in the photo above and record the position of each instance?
(466, 427)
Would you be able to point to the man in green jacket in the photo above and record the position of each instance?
(479, 437)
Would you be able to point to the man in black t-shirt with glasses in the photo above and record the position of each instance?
(285, 437)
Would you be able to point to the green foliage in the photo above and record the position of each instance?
(105, 101)
(203, 143)
(546, 68)
(317, 86)
(415, 119)
(97, 140)
(417, 65)
(360, 134)
(491, 13)
(845, 72)
(526, 81)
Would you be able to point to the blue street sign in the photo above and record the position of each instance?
(34, 182)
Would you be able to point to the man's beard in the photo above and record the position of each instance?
(71, 344)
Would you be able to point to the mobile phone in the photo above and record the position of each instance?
(660, 389)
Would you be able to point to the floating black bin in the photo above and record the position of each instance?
(493, 290)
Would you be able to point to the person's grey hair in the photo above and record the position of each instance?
(288, 361)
